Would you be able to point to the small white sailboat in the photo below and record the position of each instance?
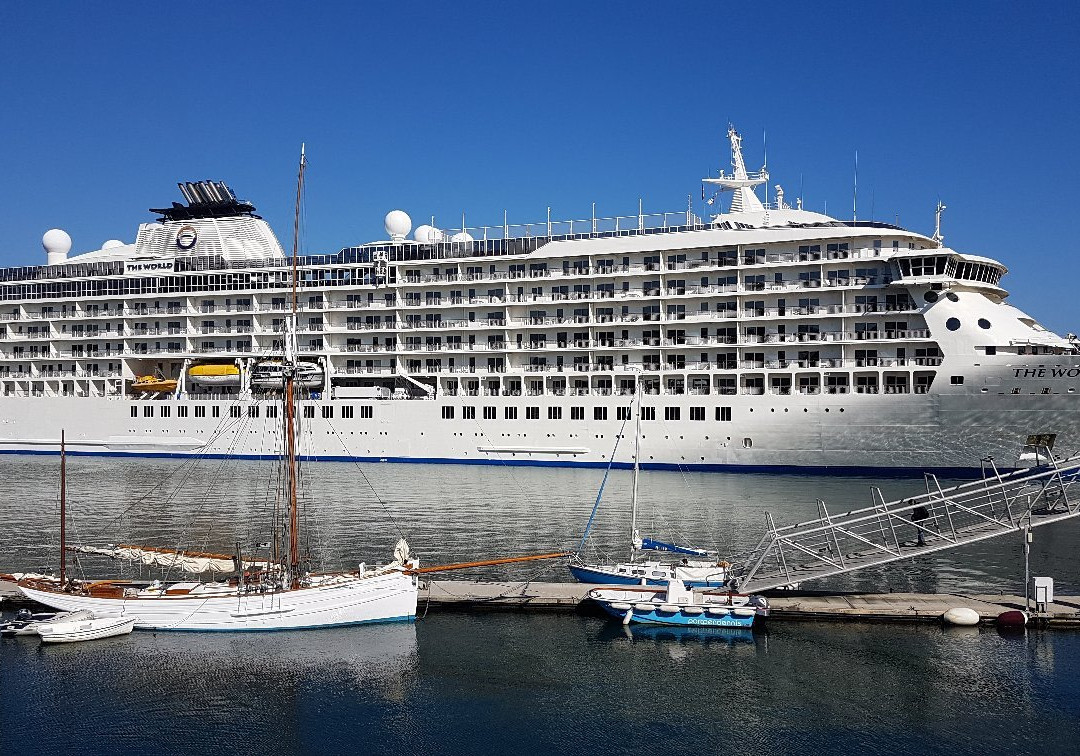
(88, 628)
(277, 593)
(697, 568)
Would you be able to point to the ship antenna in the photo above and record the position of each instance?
(855, 190)
(290, 404)
(937, 224)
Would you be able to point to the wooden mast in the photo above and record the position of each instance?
(290, 409)
(63, 511)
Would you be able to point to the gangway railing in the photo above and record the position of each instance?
(940, 519)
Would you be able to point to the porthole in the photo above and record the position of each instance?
(984, 323)
(952, 296)
(952, 324)
(930, 296)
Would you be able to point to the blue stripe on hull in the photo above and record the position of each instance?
(841, 470)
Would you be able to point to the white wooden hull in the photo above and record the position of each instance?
(85, 630)
(383, 598)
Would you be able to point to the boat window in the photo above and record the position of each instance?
(328, 412)
(253, 410)
(984, 323)
(271, 410)
(234, 411)
(577, 413)
(554, 413)
(148, 411)
(657, 573)
(216, 411)
(200, 411)
(181, 411)
(448, 412)
(956, 380)
(697, 413)
(952, 324)
(648, 413)
(366, 412)
(672, 413)
(166, 410)
(309, 412)
(489, 413)
(134, 411)
(346, 413)
(930, 296)
(532, 413)
(747, 443)
(468, 413)
(510, 413)
(599, 413)
(723, 414)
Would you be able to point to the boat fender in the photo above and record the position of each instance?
(961, 616)
(1014, 618)
(628, 617)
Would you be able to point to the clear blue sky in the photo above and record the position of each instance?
(446, 108)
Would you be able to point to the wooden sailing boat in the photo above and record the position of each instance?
(280, 596)
(704, 570)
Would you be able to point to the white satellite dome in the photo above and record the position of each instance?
(397, 224)
(57, 244)
(428, 234)
(112, 244)
(461, 236)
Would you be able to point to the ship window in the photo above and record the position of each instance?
(723, 414)
(181, 411)
(952, 324)
(309, 412)
(346, 413)
(510, 413)
(671, 413)
(448, 412)
(648, 413)
(577, 413)
(271, 411)
(134, 411)
(984, 323)
(747, 443)
(200, 412)
(253, 410)
(991, 350)
(489, 413)
(930, 296)
(234, 412)
(468, 413)
(622, 413)
(956, 380)
(599, 413)
(328, 412)
(952, 296)
(148, 411)
(697, 413)
(554, 413)
(166, 410)
(216, 410)
(532, 413)
(366, 412)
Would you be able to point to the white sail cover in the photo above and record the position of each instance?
(193, 563)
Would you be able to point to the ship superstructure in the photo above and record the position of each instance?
(766, 336)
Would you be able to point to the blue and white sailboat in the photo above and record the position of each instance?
(705, 570)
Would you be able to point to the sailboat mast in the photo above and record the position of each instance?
(637, 469)
(290, 405)
(63, 511)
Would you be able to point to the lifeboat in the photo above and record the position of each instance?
(153, 384)
(214, 375)
(270, 375)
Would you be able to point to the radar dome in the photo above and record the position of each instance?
(397, 224)
(112, 244)
(461, 236)
(57, 244)
(428, 235)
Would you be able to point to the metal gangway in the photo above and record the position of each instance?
(946, 518)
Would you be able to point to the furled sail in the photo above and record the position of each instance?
(186, 561)
(651, 545)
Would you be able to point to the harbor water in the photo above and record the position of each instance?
(498, 682)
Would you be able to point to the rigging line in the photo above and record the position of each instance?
(607, 471)
(498, 455)
(360, 469)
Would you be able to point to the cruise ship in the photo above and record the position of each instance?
(763, 337)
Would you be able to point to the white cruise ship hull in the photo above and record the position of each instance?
(384, 598)
(827, 433)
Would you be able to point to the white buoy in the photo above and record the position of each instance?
(962, 616)
(628, 616)
(57, 244)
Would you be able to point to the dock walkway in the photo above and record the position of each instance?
(896, 607)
